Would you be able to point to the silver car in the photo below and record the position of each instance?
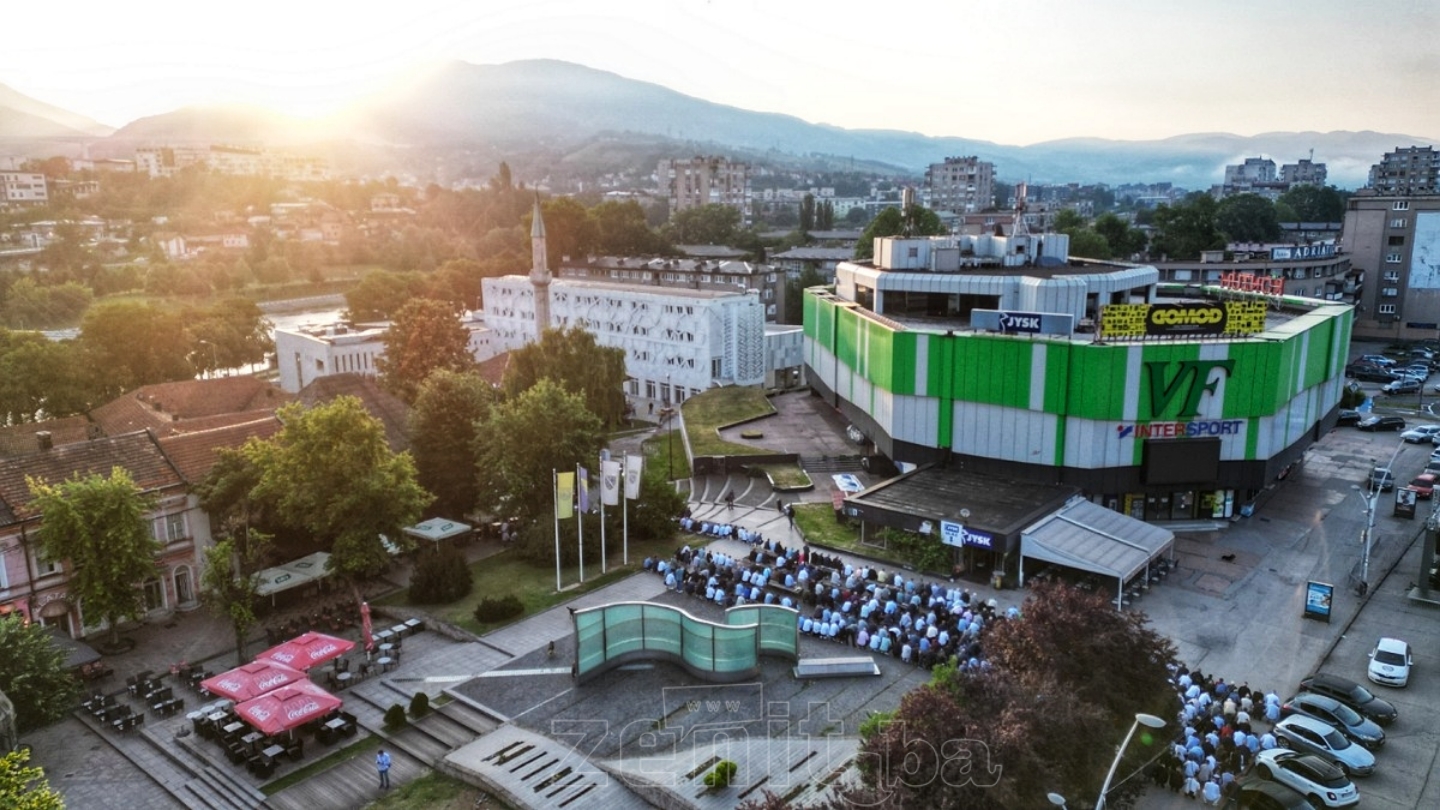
(1301, 733)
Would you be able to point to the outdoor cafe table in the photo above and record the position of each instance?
(250, 739)
(273, 752)
(384, 636)
(386, 662)
(343, 678)
(413, 625)
(233, 727)
(335, 724)
(386, 648)
(398, 630)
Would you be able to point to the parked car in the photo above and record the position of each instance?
(1375, 375)
(1420, 371)
(1423, 486)
(1351, 694)
(1308, 735)
(1332, 712)
(1380, 478)
(1421, 433)
(1390, 663)
(1325, 785)
(1405, 385)
(1253, 793)
(1376, 359)
(1348, 417)
(1379, 423)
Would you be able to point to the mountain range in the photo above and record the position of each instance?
(552, 114)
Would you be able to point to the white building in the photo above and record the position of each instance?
(308, 352)
(23, 188)
(675, 340)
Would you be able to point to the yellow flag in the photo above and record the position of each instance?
(564, 494)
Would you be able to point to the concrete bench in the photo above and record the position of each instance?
(836, 667)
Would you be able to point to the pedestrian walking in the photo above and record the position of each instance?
(780, 506)
(790, 514)
(730, 499)
(382, 764)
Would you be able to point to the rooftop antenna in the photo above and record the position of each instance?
(907, 211)
(1022, 193)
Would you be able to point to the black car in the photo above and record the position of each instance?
(1348, 417)
(1379, 423)
(1254, 793)
(1375, 375)
(1332, 712)
(1351, 694)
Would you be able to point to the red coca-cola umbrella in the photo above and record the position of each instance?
(306, 650)
(251, 680)
(287, 707)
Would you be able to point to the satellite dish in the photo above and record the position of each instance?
(964, 513)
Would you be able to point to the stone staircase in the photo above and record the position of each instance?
(175, 764)
(831, 464)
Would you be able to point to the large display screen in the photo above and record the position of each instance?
(1182, 461)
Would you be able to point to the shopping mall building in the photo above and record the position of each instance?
(1004, 357)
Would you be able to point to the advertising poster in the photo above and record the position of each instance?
(1318, 597)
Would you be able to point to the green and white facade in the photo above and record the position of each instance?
(1173, 430)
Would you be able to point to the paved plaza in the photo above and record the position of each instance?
(1233, 609)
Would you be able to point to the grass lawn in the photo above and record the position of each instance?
(325, 763)
(787, 476)
(433, 791)
(816, 522)
(505, 573)
(707, 413)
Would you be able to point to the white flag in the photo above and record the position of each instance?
(610, 483)
(632, 477)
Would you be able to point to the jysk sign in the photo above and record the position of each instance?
(1022, 323)
(955, 534)
(1182, 319)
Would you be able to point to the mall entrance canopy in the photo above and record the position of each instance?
(1089, 537)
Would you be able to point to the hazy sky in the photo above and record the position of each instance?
(1016, 73)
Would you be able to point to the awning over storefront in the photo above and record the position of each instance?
(77, 653)
(1089, 537)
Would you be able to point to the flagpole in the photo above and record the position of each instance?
(625, 530)
(602, 516)
(555, 496)
(580, 523)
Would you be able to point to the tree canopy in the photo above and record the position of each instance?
(128, 344)
(1183, 230)
(425, 336)
(525, 438)
(892, 222)
(573, 359)
(1247, 218)
(102, 527)
(33, 675)
(1060, 691)
(444, 436)
(330, 473)
(712, 224)
(23, 787)
(1307, 203)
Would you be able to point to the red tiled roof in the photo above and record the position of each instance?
(19, 440)
(493, 370)
(137, 453)
(189, 405)
(392, 412)
(193, 454)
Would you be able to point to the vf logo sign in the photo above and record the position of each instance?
(1185, 381)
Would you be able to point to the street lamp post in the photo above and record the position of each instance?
(670, 438)
(1056, 799)
(1141, 719)
(214, 362)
